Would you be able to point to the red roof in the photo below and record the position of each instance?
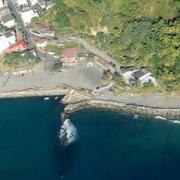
(20, 45)
(70, 53)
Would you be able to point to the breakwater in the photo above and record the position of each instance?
(123, 107)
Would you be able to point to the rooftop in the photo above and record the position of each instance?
(127, 69)
(141, 72)
(9, 33)
(70, 53)
(6, 18)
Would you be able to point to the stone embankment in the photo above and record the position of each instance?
(130, 108)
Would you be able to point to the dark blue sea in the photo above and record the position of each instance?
(108, 146)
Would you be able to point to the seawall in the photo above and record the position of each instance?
(33, 94)
(123, 107)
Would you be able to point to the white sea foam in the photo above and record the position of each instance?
(136, 116)
(68, 132)
(159, 117)
(175, 121)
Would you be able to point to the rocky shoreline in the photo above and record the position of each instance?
(122, 107)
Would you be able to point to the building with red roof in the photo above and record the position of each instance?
(17, 47)
(70, 56)
(70, 53)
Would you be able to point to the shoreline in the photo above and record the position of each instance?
(170, 113)
(91, 103)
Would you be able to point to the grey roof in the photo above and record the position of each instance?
(141, 72)
(6, 18)
(37, 8)
(8, 33)
(126, 69)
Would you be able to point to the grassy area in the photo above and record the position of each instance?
(16, 59)
(52, 47)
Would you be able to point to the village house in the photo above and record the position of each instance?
(10, 36)
(19, 46)
(127, 74)
(27, 15)
(37, 8)
(132, 74)
(6, 18)
(144, 76)
(41, 42)
(21, 2)
(4, 44)
(42, 30)
(6, 39)
(69, 56)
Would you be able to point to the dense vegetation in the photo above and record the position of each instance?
(138, 32)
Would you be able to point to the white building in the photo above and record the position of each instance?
(10, 36)
(21, 2)
(33, 2)
(28, 15)
(8, 21)
(4, 44)
(6, 18)
(144, 76)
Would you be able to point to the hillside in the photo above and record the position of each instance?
(135, 32)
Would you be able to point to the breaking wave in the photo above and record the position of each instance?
(160, 117)
(171, 121)
(68, 132)
(175, 121)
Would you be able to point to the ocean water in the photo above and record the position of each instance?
(105, 145)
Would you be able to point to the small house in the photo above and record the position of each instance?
(21, 2)
(10, 36)
(144, 76)
(6, 18)
(4, 44)
(69, 56)
(127, 74)
(41, 42)
(27, 15)
(17, 47)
